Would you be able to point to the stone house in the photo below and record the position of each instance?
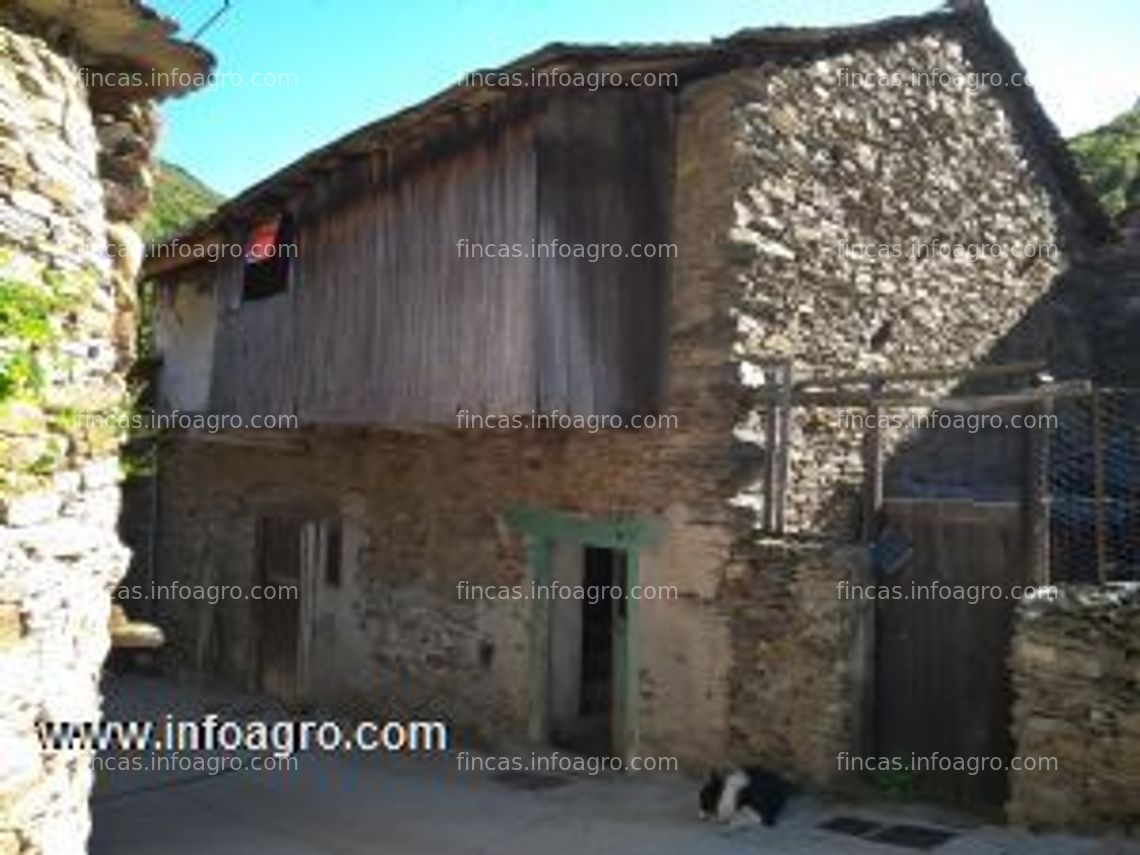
(762, 158)
(75, 153)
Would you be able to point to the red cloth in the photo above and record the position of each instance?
(262, 242)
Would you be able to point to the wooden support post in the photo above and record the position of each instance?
(1098, 486)
(783, 447)
(771, 452)
(873, 463)
(1037, 500)
(777, 403)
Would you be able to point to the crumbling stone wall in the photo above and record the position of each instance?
(67, 263)
(1076, 677)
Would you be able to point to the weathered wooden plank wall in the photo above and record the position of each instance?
(384, 319)
(604, 178)
(386, 322)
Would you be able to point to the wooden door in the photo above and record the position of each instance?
(941, 678)
(280, 557)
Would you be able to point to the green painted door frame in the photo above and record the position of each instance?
(541, 528)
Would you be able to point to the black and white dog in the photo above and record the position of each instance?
(744, 796)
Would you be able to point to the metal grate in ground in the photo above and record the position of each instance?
(918, 837)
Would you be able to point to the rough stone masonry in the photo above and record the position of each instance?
(1075, 669)
(72, 180)
(917, 164)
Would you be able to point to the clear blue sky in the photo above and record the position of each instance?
(355, 61)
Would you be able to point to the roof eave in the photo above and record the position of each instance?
(692, 61)
(123, 36)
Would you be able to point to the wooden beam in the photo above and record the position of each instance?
(977, 403)
(873, 466)
(965, 371)
(364, 421)
(167, 262)
(1048, 392)
(957, 506)
(246, 440)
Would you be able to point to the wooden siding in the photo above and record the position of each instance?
(604, 177)
(386, 323)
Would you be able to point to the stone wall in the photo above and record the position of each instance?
(756, 659)
(419, 515)
(784, 618)
(69, 273)
(777, 167)
(828, 165)
(825, 161)
(1075, 669)
(1114, 275)
(800, 657)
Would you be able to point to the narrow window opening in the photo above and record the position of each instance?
(268, 259)
(332, 556)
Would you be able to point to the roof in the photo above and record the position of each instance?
(467, 110)
(124, 35)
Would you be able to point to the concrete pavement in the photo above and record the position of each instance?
(352, 804)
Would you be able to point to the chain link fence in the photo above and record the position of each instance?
(1067, 453)
(1094, 488)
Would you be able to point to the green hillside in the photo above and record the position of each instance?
(1109, 157)
(179, 200)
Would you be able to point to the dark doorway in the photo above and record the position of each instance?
(584, 718)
